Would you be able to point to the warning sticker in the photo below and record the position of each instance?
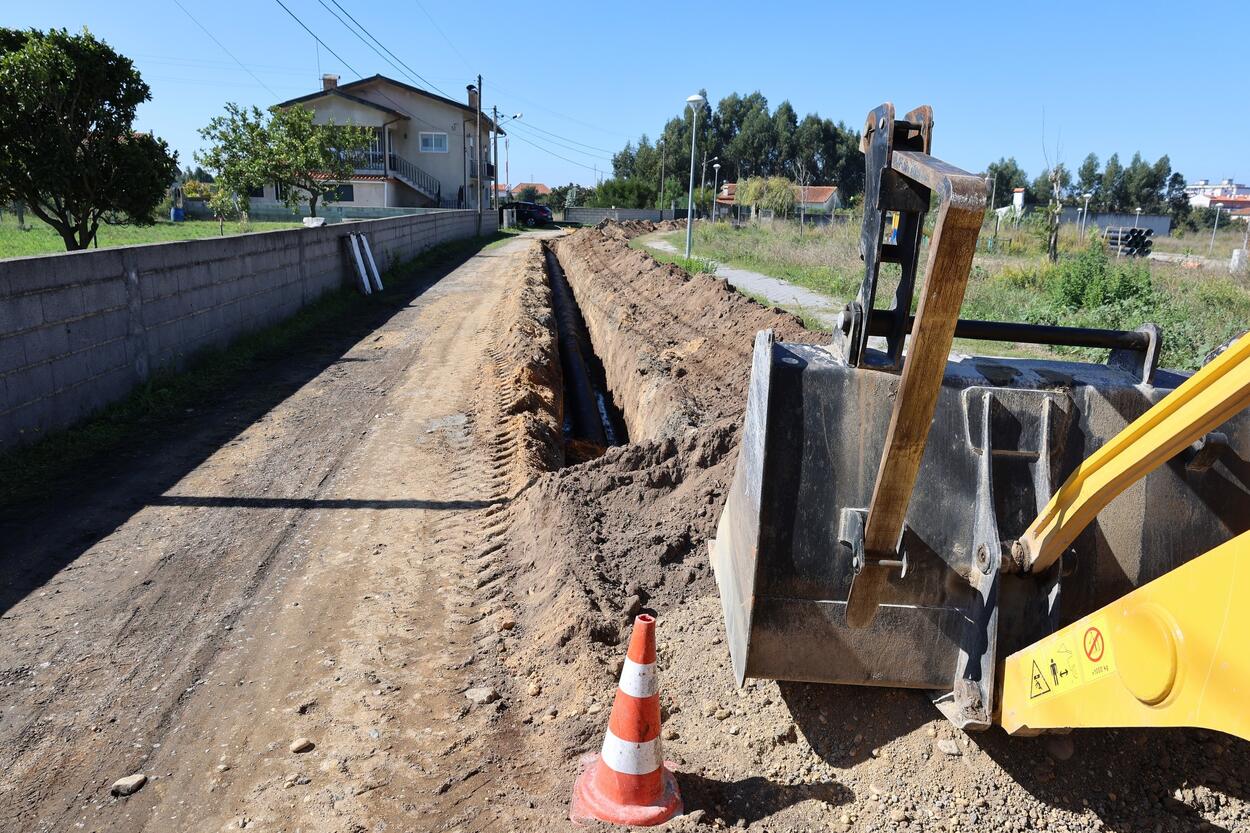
(1070, 659)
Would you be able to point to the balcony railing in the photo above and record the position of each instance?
(486, 166)
(368, 162)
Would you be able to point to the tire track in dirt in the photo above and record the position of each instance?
(329, 595)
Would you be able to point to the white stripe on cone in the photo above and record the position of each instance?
(639, 680)
(632, 758)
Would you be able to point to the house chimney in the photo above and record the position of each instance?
(329, 82)
(472, 97)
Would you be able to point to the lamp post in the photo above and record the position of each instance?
(703, 175)
(1085, 216)
(1137, 219)
(498, 123)
(715, 183)
(694, 102)
(659, 146)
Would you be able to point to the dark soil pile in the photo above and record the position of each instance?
(629, 229)
(593, 544)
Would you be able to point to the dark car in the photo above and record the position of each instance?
(530, 213)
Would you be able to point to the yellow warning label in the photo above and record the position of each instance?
(1070, 659)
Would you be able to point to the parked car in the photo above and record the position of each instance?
(530, 213)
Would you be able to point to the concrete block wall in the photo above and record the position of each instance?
(79, 330)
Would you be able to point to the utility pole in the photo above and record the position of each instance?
(477, 151)
(659, 200)
(1214, 229)
(494, 184)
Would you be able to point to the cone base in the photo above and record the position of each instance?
(590, 803)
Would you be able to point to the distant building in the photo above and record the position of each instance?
(1203, 193)
(423, 154)
(817, 199)
(1238, 204)
(811, 199)
(539, 189)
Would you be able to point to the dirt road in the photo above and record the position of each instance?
(373, 546)
(295, 566)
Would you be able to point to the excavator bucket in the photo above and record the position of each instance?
(882, 480)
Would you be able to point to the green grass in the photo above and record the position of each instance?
(39, 238)
(1196, 309)
(825, 260)
(32, 471)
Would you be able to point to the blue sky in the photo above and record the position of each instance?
(1003, 78)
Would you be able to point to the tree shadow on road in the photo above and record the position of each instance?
(81, 503)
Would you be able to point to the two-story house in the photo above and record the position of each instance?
(428, 151)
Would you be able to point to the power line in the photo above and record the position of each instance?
(314, 37)
(556, 155)
(223, 48)
(439, 29)
(359, 37)
(566, 138)
(564, 116)
(567, 147)
(412, 72)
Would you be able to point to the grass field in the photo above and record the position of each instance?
(39, 238)
(1197, 309)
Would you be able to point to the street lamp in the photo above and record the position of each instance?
(703, 175)
(694, 102)
(507, 152)
(715, 180)
(1085, 217)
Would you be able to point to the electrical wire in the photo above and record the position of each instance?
(412, 72)
(439, 29)
(361, 38)
(558, 156)
(314, 37)
(566, 147)
(223, 48)
(532, 126)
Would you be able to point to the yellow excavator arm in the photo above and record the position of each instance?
(1172, 652)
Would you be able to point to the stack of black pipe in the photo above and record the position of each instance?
(1129, 242)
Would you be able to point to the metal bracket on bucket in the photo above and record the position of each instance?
(900, 177)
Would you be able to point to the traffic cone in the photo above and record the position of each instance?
(628, 782)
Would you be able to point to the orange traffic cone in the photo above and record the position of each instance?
(629, 782)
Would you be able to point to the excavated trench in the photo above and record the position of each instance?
(592, 420)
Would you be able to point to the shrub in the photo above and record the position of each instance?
(1092, 280)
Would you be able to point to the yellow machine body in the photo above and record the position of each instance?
(1171, 653)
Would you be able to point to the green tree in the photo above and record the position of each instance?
(1177, 200)
(779, 196)
(528, 194)
(1005, 175)
(68, 148)
(785, 128)
(565, 196)
(286, 146)
(750, 192)
(1113, 195)
(1089, 179)
(624, 193)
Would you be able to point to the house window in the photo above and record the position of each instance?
(257, 193)
(344, 193)
(433, 142)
